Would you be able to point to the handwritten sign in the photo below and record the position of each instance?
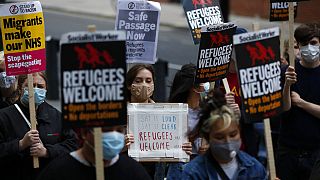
(140, 20)
(93, 78)
(279, 11)
(22, 26)
(214, 52)
(159, 131)
(200, 14)
(258, 62)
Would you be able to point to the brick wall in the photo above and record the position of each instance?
(308, 11)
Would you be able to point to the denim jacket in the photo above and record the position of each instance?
(202, 168)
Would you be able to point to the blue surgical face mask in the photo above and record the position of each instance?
(39, 96)
(112, 143)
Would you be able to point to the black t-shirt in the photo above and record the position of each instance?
(300, 129)
(68, 168)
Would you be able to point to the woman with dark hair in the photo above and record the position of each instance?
(140, 87)
(183, 90)
(140, 83)
(219, 125)
(18, 143)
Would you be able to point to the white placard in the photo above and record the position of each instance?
(159, 131)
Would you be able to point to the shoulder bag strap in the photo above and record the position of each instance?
(24, 117)
(218, 168)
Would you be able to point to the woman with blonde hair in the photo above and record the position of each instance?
(219, 125)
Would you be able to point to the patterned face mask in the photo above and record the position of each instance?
(142, 92)
(310, 53)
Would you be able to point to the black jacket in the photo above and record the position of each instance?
(15, 165)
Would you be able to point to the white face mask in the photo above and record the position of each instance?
(310, 53)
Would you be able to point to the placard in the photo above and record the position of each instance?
(279, 11)
(93, 73)
(201, 13)
(214, 52)
(140, 20)
(22, 27)
(159, 131)
(258, 62)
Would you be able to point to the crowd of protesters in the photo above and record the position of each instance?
(221, 143)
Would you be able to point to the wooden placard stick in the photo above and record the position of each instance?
(291, 34)
(97, 132)
(269, 146)
(32, 111)
(268, 138)
(282, 39)
(98, 153)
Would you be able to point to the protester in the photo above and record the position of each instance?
(18, 143)
(300, 127)
(183, 90)
(140, 83)
(219, 125)
(80, 164)
(140, 88)
(8, 86)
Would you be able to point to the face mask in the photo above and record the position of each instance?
(142, 92)
(310, 53)
(39, 96)
(6, 81)
(225, 151)
(206, 87)
(112, 143)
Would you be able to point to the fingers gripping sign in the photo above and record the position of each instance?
(291, 76)
(30, 138)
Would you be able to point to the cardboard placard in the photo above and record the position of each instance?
(22, 27)
(159, 131)
(140, 20)
(214, 52)
(258, 62)
(279, 11)
(93, 72)
(201, 13)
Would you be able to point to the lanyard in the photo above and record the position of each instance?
(24, 117)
